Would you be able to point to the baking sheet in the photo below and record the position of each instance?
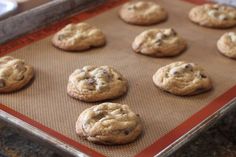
(46, 101)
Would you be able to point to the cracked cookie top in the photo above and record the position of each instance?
(78, 37)
(109, 123)
(101, 82)
(213, 15)
(142, 13)
(14, 73)
(182, 78)
(227, 44)
(159, 42)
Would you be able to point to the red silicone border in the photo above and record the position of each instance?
(157, 146)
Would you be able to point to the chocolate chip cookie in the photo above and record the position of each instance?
(109, 124)
(227, 44)
(78, 37)
(142, 13)
(92, 84)
(213, 15)
(182, 78)
(14, 74)
(159, 43)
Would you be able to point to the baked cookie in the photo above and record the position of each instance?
(109, 124)
(227, 44)
(182, 78)
(142, 13)
(14, 74)
(92, 84)
(213, 15)
(78, 37)
(159, 43)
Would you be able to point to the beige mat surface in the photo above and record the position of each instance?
(46, 101)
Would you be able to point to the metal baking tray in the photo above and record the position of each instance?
(169, 121)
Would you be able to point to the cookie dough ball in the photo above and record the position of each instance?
(213, 15)
(227, 44)
(159, 43)
(182, 78)
(109, 124)
(142, 13)
(78, 37)
(14, 74)
(92, 84)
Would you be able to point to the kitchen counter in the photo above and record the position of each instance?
(218, 141)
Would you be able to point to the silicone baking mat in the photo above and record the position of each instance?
(45, 104)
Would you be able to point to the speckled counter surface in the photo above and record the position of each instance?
(218, 141)
(14, 145)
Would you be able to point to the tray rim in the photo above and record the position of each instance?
(160, 147)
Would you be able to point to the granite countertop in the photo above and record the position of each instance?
(217, 141)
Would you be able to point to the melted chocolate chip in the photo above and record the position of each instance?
(174, 32)
(176, 73)
(99, 116)
(130, 8)
(188, 67)
(122, 111)
(165, 36)
(91, 81)
(119, 78)
(158, 43)
(203, 76)
(2, 83)
(126, 132)
(61, 37)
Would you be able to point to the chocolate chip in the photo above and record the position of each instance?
(91, 81)
(176, 73)
(132, 7)
(158, 42)
(223, 17)
(122, 111)
(169, 32)
(61, 37)
(188, 67)
(99, 116)
(203, 76)
(173, 32)
(119, 78)
(20, 67)
(2, 83)
(126, 132)
(164, 36)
